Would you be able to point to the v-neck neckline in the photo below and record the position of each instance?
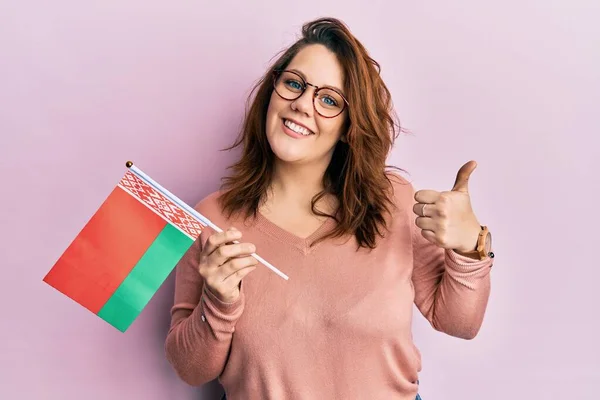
(287, 237)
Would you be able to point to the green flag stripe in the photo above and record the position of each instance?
(136, 290)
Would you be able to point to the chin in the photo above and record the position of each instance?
(286, 153)
(285, 148)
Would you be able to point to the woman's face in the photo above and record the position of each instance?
(296, 132)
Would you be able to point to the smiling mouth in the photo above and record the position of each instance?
(297, 128)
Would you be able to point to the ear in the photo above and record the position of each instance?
(343, 139)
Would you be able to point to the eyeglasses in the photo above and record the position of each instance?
(327, 102)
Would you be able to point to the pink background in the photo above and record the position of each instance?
(515, 85)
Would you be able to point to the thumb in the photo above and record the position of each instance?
(461, 184)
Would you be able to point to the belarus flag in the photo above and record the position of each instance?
(126, 250)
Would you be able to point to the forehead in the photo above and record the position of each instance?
(319, 66)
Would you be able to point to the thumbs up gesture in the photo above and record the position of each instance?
(447, 218)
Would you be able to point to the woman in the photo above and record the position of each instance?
(311, 195)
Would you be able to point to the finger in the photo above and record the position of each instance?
(425, 223)
(218, 239)
(430, 236)
(234, 279)
(233, 265)
(424, 210)
(461, 184)
(427, 196)
(224, 252)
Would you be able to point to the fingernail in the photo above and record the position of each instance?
(252, 248)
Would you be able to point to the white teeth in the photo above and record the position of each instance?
(297, 128)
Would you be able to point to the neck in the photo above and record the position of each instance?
(296, 185)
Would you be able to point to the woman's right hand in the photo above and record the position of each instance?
(223, 264)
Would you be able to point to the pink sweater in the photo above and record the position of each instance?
(340, 328)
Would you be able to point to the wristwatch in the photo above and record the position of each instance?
(484, 245)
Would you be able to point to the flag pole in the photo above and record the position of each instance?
(196, 214)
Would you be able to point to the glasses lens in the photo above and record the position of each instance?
(289, 85)
(329, 103)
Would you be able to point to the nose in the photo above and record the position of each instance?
(304, 103)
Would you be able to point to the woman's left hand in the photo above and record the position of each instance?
(447, 218)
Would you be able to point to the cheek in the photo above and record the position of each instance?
(270, 118)
(332, 129)
(273, 111)
(276, 104)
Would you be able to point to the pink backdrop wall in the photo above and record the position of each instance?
(85, 86)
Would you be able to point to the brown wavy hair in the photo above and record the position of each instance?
(356, 175)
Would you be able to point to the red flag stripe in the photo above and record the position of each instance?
(105, 251)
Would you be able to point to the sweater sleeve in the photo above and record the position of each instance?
(202, 326)
(451, 290)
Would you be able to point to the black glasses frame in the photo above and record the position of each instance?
(305, 84)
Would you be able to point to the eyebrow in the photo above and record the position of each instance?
(327, 86)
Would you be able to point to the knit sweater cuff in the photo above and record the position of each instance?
(465, 270)
(461, 263)
(221, 316)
